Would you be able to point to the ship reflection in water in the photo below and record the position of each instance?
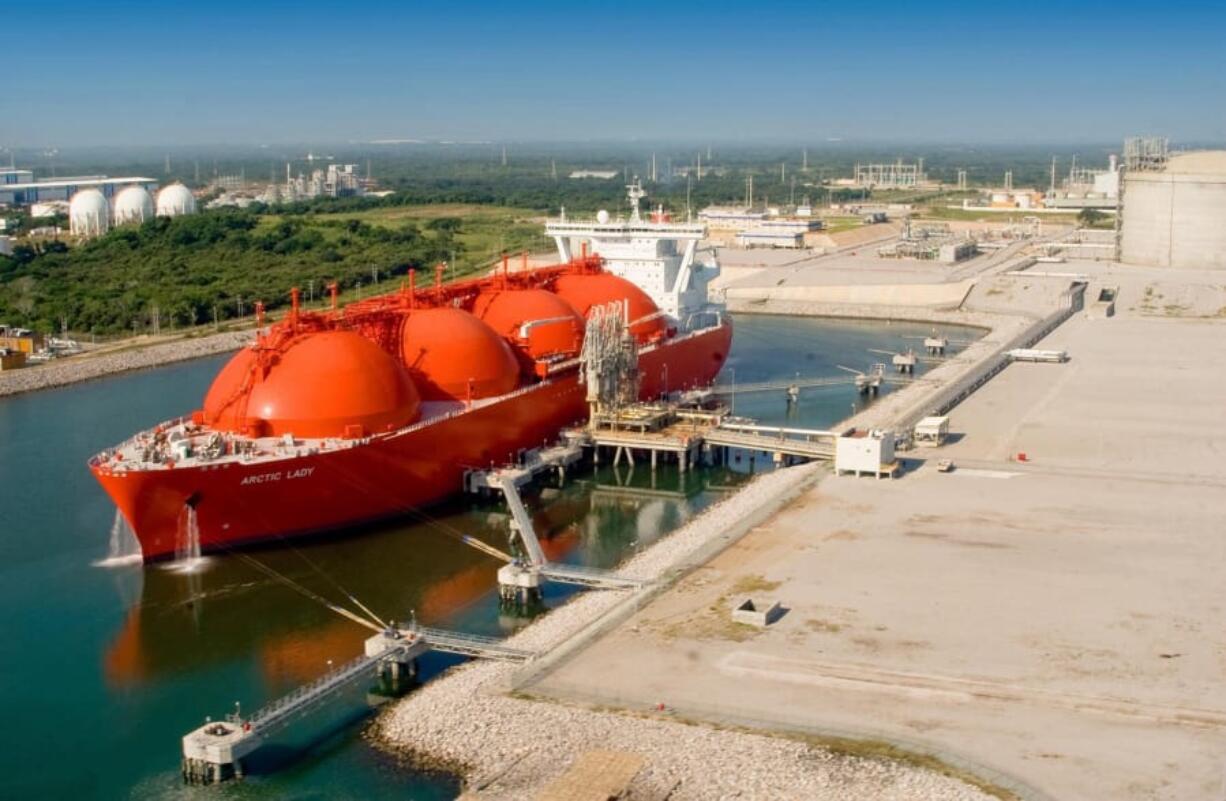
(232, 611)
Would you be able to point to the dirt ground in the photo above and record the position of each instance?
(1059, 620)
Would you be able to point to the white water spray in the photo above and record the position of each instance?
(187, 546)
(124, 548)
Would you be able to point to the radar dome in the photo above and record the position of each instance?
(587, 290)
(175, 200)
(328, 384)
(558, 327)
(89, 214)
(448, 350)
(602, 216)
(133, 205)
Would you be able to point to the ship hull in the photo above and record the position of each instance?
(392, 476)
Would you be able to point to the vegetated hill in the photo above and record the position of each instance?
(222, 261)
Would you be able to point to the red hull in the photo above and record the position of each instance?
(390, 476)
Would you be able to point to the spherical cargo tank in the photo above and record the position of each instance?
(175, 201)
(584, 291)
(325, 384)
(452, 355)
(133, 205)
(88, 213)
(539, 322)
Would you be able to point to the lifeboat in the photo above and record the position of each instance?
(584, 291)
(319, 384)
(452, 355)
(539, 322)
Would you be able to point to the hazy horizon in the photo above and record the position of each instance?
(241, 75)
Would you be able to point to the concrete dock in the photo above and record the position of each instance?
(1056, 621)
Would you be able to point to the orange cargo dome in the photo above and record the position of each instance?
(447, 348)
(324, 384)
(583, 291)
(508, 311)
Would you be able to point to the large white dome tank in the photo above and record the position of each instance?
(176, 200)
(133, 205)
(88, 213)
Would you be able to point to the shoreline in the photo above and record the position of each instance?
(88, 367)
(480, 720)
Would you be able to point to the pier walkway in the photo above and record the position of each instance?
(215, 751)
(784, 384)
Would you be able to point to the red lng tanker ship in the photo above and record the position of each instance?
(331, 419)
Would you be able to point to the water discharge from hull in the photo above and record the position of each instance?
(124, 548)
(188, 557)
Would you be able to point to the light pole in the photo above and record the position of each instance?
(732, 405)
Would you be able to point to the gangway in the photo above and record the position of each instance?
(215, 751)
(587, 577)
(474, 645)
(805, 443)
(784, 384)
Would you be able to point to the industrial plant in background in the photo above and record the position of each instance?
(337, 180)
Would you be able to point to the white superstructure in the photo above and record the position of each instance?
(659, 256)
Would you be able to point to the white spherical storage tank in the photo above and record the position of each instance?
(175, 200)
(133, 205)
(1176, 217)
(88, 213)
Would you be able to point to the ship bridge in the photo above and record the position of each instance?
(657, 255)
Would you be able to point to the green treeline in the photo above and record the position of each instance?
(190, 268)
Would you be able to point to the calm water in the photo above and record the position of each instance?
(103, 669)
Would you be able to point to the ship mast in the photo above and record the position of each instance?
(635, 192)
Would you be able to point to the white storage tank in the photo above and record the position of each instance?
(175, 201)
(133, 205)
(88, 213)
(1174, 217)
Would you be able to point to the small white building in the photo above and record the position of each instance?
(932, 431)
(860, 452)
(768, 238)
(731, 218)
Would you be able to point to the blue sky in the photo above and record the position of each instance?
(227, 72)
